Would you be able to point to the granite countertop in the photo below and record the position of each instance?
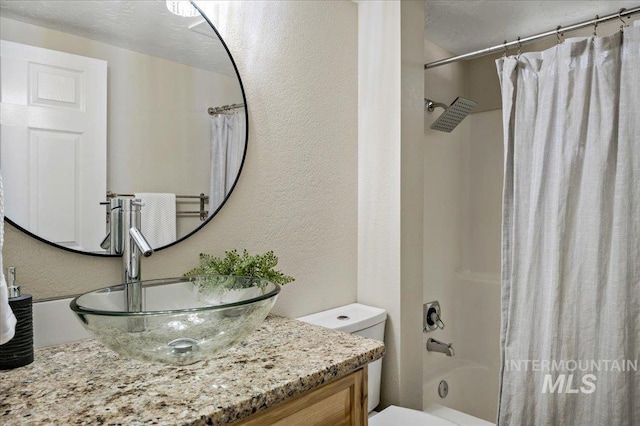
(86, 383)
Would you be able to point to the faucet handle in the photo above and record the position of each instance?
(435, 318)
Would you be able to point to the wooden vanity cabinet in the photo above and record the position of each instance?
(340, 402)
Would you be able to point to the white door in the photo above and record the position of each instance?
(53, 143)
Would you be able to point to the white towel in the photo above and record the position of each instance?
(158, 218)
(7, 319)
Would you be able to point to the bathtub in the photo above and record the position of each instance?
(472, 393)
(434, 415)
(455, 417)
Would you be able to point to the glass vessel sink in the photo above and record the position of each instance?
(183, 320)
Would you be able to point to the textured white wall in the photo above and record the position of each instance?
(379, 175)
(390, 175)
(297, 194)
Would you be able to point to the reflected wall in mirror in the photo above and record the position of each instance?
(104, 99)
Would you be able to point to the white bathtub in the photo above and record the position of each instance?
(473, 392)
(434, 415)
(455, 417)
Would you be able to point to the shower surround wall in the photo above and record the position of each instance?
(462, 218)
(463, 197)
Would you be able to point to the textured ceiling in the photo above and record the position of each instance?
(145, 26)
(462, 26)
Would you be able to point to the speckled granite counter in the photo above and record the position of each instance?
(86, 383)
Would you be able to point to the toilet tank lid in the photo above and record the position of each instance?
(349, 318)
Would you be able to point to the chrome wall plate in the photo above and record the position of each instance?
(443, 389)
(429, 323)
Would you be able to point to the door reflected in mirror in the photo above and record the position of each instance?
(107, 99)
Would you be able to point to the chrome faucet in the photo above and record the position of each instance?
(434, 345)
(127, 240)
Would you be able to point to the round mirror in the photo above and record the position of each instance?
(103, 100)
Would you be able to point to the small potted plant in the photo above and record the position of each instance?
(221, 280)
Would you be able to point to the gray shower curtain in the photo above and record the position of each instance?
(228, 138)
(570, 336)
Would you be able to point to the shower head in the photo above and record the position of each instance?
(452, 115)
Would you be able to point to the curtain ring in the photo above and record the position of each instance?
(504, 54)
(595, 26)
(558, 34)
(519, 48)
(624, 24)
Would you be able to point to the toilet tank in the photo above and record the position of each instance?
(365, 321)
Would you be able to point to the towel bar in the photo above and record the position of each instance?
(203, 213)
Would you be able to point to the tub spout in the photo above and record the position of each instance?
(434, 345)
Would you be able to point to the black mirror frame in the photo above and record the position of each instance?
(211, 216)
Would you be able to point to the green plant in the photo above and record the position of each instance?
(242, 265)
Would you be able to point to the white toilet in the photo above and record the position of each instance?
(364, 321)
(369, 322)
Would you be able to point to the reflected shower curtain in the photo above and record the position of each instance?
(228, 134)
(570, 337)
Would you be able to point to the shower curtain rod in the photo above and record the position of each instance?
(221, 109)
(526, 40)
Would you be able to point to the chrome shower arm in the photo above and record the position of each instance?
(431, 105)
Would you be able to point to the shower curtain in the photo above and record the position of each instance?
(570, 335)
(228, 134)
